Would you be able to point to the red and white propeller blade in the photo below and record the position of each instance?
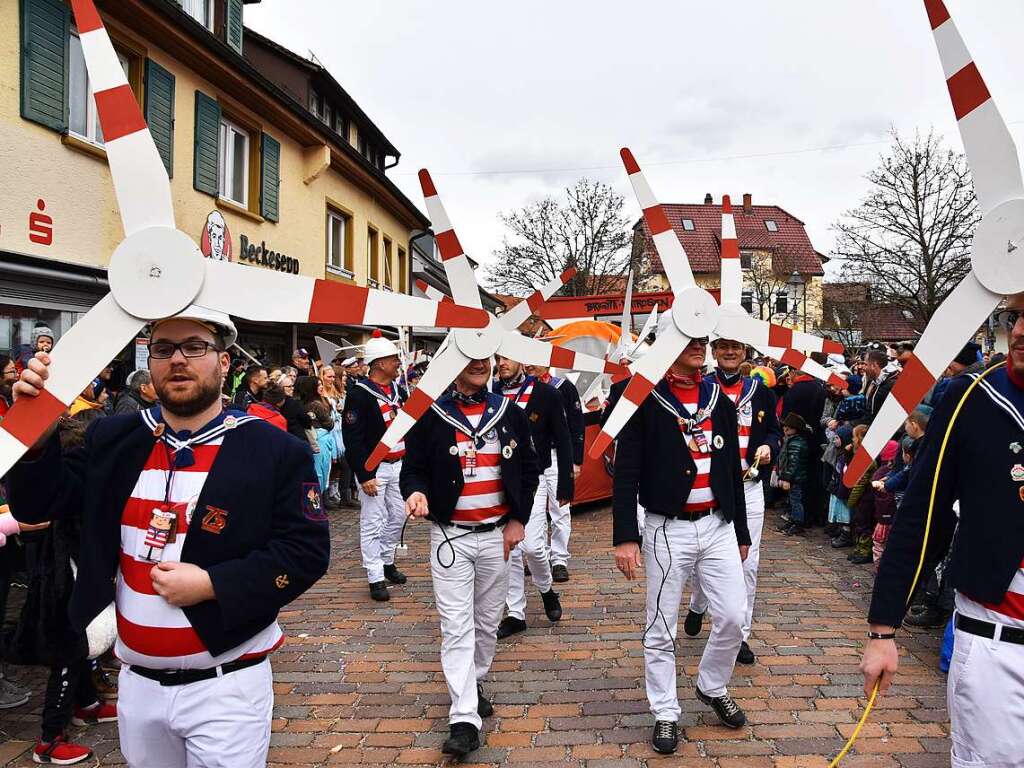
(802, 362)
(649, 325)
(461, 279)
(84, 350)
(522, 311)
(140, 179)
(647, 372)
(990, 149)
(529, 351)
(439, 375)
(432, 293)
(731, 270)
(673, 257)
(759, 333)
(952, 325)
(241, 291)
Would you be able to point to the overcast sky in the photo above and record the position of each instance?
(506, 103)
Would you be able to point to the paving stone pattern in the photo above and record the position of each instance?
(360, 682)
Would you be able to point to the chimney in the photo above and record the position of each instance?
(748, 203)
(707, 199)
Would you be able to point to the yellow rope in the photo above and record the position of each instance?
(924, 547)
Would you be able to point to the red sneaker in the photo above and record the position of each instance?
(60, 752)
(97, 713)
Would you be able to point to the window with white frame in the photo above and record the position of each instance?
(200, 10)
(747, 301)
(339, 251)
(746, 260)
(770, 225)
(782, 303)
(688, 225)
(83, 120)
(234, 163)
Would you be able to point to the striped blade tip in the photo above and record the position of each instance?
(421, 285)
(726, 204)
(629, 161)
(30, 417)
(937, 12)
(857, 467)
(616, 369)
(427, 184)
(830, 347)
(568, 275)
(600, 444)
(376, 457)
(87, 18)
(837, 381)
(452, 315)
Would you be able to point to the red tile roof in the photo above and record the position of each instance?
(791, 246)
(849, 303)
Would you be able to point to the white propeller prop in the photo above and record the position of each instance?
(158, 271)
(996, 267)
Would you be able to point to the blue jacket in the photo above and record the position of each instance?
(275, 545)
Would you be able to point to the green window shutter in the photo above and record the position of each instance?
(270, 172)
(234, 25)
(160, 111)
(206, 164)
(45, 31)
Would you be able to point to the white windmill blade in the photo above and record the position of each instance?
(731, 271)
(802, 362)
(140, 180)
(84, 350)
(522, 311)
(597, 385)
(647, 372)
(673, 256)
(735, 323)
(626, 321)
(991, 152)
(529, 351)
(461, 279)
(439, 375)
(953, 325)
(431, 292)
(649, 325)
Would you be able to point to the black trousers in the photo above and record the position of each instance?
(67, 687)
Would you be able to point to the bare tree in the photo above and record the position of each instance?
(910, 237)
(587, 231)
(765, 280)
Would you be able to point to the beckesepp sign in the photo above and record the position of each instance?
(216, 243)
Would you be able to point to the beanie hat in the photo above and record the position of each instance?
(889, 451)
(42, 330)
(853, 383)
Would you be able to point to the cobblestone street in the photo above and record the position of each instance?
(359, 682)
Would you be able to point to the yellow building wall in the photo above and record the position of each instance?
(79, 195)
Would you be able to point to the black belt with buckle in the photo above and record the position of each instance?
(986, 629)
(186, 676)
(691, 516)
(485, 528)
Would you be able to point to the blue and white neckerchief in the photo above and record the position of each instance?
(501, 385)
(181, 443)
(690, 424)
(447, 407)
(393, 398)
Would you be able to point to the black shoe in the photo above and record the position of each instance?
(395, 576)
(552, 607)
(786, 525)
(745, 656)
(559, 573)
(509, 626)
(929, 617)
(694, 621)
(795, 530)
(379, 591)
(484, 708)
(665, 738)
(860, 558)
(844, 539)
(728, 711)
(463, 739)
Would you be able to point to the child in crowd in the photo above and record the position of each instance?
(862, 510)
(838, 511)
(892, 486)
(793, 467)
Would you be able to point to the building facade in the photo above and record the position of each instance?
(271, 163)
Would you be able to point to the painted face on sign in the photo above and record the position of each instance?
(217, 241)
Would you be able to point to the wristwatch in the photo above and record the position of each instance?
(882, 635)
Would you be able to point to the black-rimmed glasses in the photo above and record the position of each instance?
(1008, 318)
(164, 350)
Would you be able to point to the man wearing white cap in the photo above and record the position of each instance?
(208, 522)
(370, 406)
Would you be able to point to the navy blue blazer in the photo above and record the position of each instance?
(274, 546)
(574, 415)
(362, 425)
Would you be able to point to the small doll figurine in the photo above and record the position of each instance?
(158, 534)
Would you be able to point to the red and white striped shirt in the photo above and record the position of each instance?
(482, 499)
(150, 631)
(1009, 611)
(743, 415)
(701, 497)
(519, 395)
(390, 404)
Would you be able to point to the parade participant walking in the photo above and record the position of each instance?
(471, 469)
(370, 406)
(971, 453)
(680, 452)
(553, 444)
(209, 522)
(561, 514)
(759, 440)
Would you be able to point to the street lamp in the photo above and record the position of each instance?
(799, 288)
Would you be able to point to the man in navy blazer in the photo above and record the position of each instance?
(208, 522)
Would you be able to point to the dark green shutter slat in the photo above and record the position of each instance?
(160, 111)
(270, 185)
(45, 30)
(234, 25)
(205, 176)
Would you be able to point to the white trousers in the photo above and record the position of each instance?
(561, 521)
(673, 549)
(534, 547)
(223, 722)
(753, 491)
(469, 595)
(985, 695)
(380, 521)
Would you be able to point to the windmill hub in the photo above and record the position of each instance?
(996, 257)
(479, 343)
(695, 312)
(156, 272)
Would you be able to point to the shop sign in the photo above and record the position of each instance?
(265, 257)
(216, 243)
